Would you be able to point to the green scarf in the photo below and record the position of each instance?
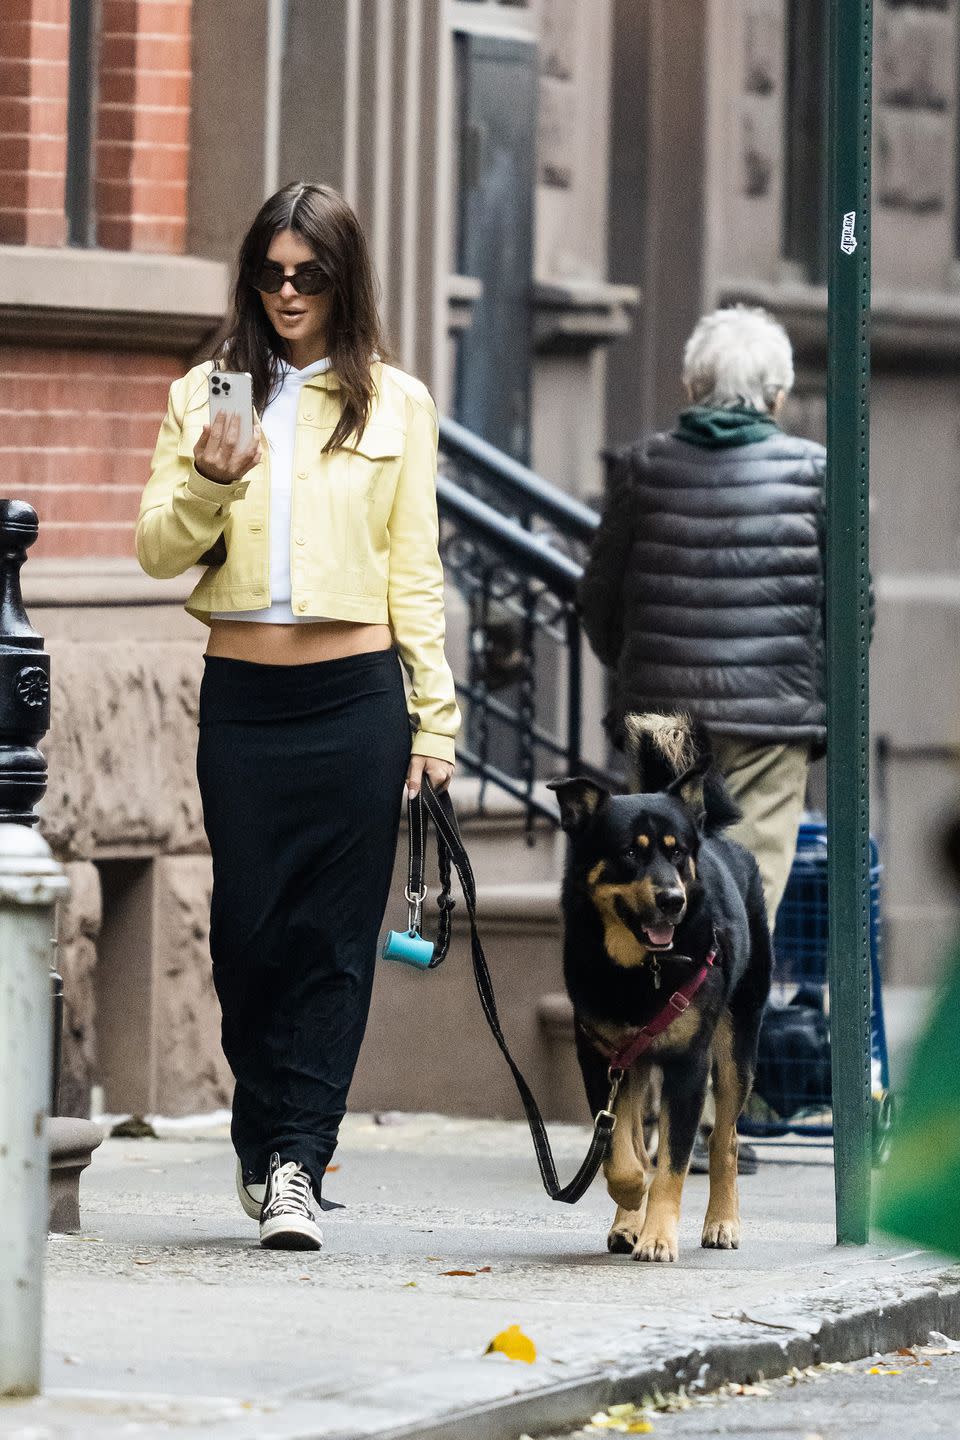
(717, 429)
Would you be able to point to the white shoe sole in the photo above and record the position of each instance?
(250, 1196)
(289, 1232)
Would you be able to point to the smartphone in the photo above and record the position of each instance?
(231, 392)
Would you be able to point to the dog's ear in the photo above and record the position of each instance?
(579, 799)
(688, 787)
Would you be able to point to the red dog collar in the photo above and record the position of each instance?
(621, 1060)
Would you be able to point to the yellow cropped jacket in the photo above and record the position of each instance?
(364, 528)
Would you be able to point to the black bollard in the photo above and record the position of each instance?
(24, 711)
(24, 675)
(25, 856)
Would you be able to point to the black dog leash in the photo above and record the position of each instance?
(451, 853)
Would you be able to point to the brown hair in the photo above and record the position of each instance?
(322, 218)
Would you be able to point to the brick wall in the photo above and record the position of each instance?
(143, 114)
(33, 121)
(77, 429)
(140, 158)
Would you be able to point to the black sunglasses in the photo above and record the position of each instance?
(306, 280)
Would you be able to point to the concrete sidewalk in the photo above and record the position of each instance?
(166, 1317)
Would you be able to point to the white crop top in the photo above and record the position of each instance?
(279, 425)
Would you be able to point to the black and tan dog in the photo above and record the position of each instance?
(666, 937)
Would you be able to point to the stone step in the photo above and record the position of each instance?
(428, 1046)
(501, 848)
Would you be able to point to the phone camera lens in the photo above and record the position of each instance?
(226, 387)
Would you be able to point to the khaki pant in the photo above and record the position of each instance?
(769, 784)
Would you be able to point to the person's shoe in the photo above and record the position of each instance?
(700, 1159)
(250, 1193)
(288, 1218)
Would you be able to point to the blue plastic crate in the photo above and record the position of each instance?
(800, 938)
(800, 945)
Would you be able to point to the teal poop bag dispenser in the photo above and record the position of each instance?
(408, 946)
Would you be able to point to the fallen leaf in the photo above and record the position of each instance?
(142, 1260)
(882, 1370)
(410, 1285)
(330, 1169)
(484, 1270)
(72, 1360)
(514, 1344)
(627, 1419)
(133, 1128)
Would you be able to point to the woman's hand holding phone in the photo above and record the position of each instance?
(218, 454)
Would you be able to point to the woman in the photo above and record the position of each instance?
(320, 544)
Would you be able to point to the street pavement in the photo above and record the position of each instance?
(165, 1317)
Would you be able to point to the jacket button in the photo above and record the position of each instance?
(301, 539)
(300, 606)
(308, 414)
(301, 474)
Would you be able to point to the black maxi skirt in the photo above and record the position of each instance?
(301, 772)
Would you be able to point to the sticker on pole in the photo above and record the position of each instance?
(848, 240)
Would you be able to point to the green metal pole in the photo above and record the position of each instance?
(847, 595)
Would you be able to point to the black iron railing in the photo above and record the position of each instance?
(515, 545)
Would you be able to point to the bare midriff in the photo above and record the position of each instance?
(301, 644)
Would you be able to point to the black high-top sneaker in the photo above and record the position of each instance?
(288, 1219)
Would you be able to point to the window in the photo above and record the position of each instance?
(805, 218)
(81, 108)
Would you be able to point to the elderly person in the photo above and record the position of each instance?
(704, 588)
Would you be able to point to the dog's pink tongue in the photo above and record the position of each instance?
(660, 934)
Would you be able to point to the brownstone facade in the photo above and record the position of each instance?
(674, 167)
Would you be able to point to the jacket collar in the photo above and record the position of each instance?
(326, 380)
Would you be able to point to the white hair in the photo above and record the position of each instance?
(738, 356)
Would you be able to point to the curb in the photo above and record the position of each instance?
(849, 1336)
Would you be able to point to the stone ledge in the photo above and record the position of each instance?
(95, 582)
(172, 303)
(463, 295)
(922, 326)
(576, 316)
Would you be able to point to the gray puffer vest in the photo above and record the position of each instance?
(704, 589)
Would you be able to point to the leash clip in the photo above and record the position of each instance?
(415, 907)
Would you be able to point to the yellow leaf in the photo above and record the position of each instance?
(622, 1419)
(882, 1370)
(514, 1344)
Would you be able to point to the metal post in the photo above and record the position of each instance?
(30, 883)
(847, 594)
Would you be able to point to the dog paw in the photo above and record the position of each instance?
(621, 1242)
(625, 1231)
(720, 1234)
(660, 1247)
